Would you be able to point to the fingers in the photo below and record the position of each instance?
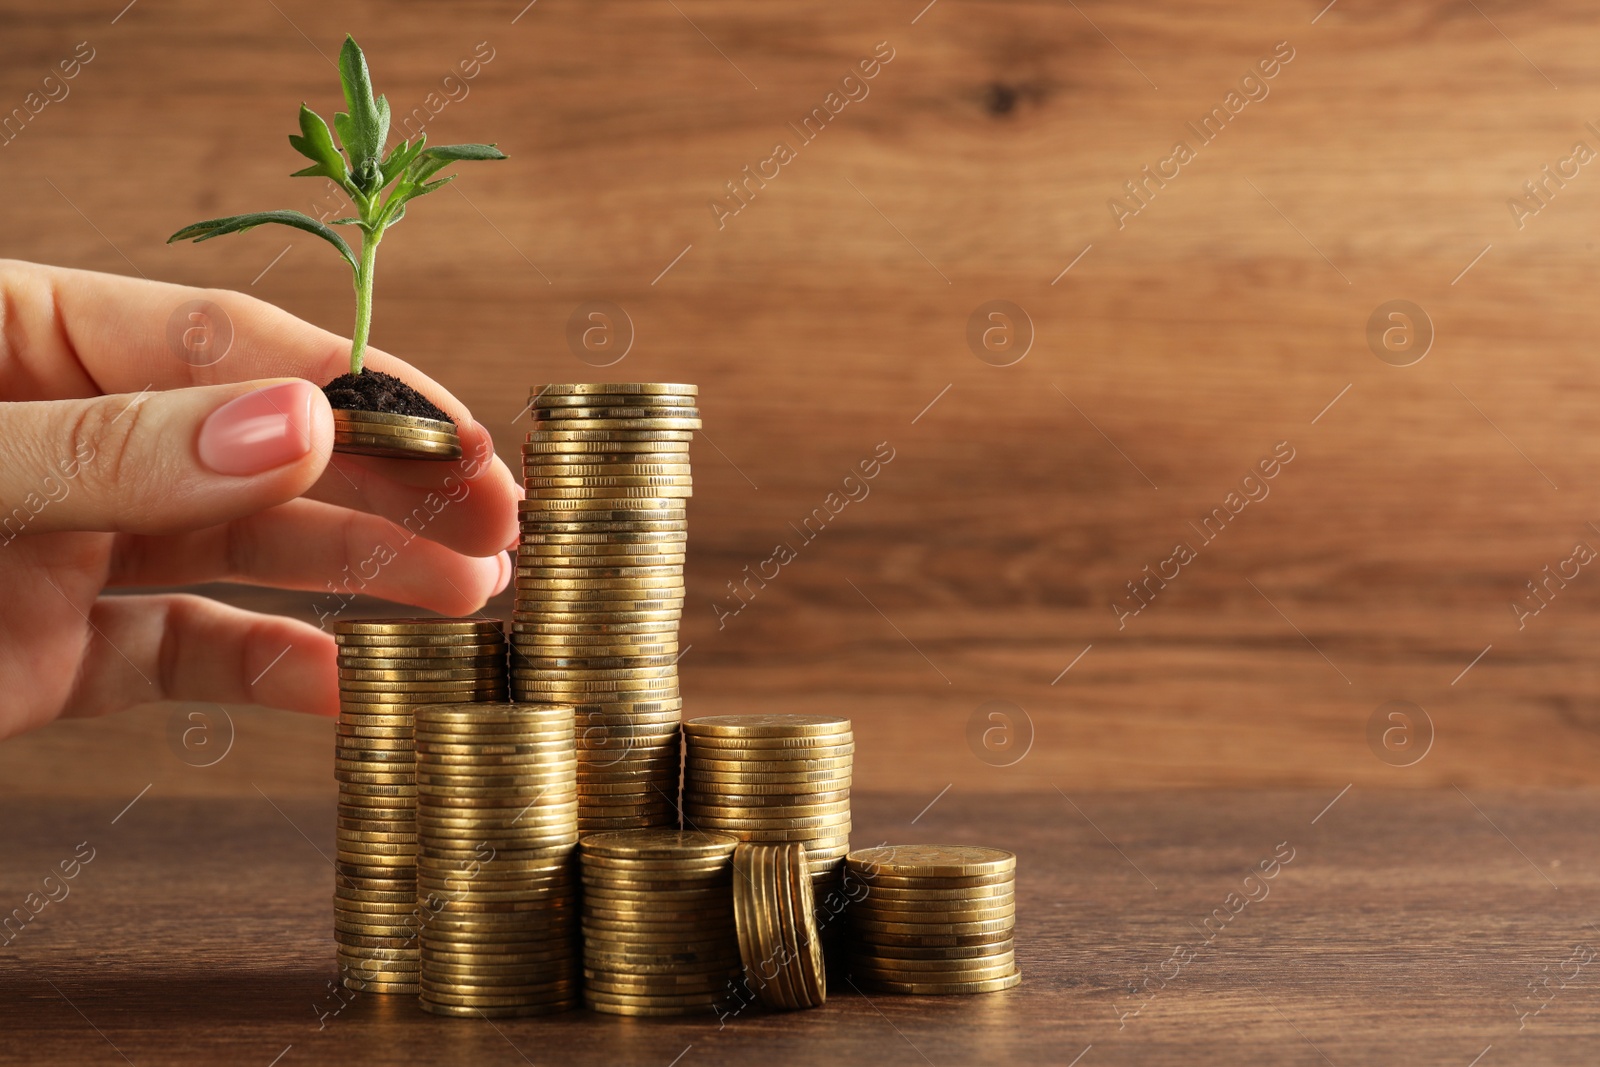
(475, 517)
(76, 332)
(159, 462)
(321, 548)
(152, 648)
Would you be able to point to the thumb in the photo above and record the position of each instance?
(160, 462)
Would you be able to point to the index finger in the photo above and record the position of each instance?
(86, 333)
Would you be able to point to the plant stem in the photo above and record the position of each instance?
(369, 257)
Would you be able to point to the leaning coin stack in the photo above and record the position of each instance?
(599, 586)
(772, 779)
(497, 826)
(658, 921)
(933, 918)
(386, 668)
(775, 915)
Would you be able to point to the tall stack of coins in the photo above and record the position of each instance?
(934, 918)
(599, 586)
(772, 779)
(658, 924)
(386, 668)
(497, 825)
(776, 919)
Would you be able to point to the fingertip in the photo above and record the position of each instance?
(504, 580)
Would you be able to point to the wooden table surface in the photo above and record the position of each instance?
(1415, 927)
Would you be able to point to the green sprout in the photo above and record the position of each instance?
(378, 184)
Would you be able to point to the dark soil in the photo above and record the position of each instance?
(375, 391)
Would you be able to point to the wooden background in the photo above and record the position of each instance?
(833, 310)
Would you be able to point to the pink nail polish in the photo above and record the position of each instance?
(258, 431)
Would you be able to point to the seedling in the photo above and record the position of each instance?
(379, 183)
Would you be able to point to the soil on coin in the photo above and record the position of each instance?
(373, 390)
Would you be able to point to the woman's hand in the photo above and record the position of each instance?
(122, 463)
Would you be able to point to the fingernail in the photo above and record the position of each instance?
(259, 431)
(505, 574)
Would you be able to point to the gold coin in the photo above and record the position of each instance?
(415, 627)
(777, 805)
(935, 969)
(836, 779)
(391, 448)
(422, 644)
(925, 952)
(775, 725)
(900, 915)
(635, 466)
(891, 881)
(622, 388)
(873, 938)
(697, 763)
(766, 756)
(403, 434)
(933, 861)
(791, 816)
(407, 676)
(933, 988)
(586, 400)
(569, 416)
(473, 714)
(980, 894)
(665, 846)
(777, 747)
(425, 657)
(550, 621)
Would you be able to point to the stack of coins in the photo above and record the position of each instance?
(375, 433)
(599, 586)
(772, 779)
(387, 667)
(933, 918)
(497, 825)
(658, 925)
(775, 914)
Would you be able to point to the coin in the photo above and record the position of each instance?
(776, 725)
(932, 988)
(415, 627)
(933, 861)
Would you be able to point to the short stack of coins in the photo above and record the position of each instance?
(376, 433)
(933, 918)
(772, 779)
(599, 586)
(775, 915)
(658, 921)
(386, 668)
(497, 826)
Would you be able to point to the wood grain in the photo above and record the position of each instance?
(832, 310)
(1402, 929)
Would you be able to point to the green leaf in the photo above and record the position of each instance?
(348, 221)
(365, 127)
(316, 144)
(400, 157)
(205, 231)
(432, 160)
